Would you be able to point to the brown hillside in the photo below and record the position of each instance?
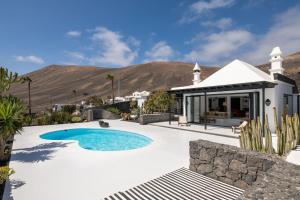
(55, 83)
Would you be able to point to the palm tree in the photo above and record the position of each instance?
(111, 78)
(28, 80)
(11, 115)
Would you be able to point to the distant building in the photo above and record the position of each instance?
(117, 100)
(238, 92)
(140, 97)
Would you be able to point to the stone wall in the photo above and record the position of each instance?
(151, 118)
(261, 175)
(101, 114)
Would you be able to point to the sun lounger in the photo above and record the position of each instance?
(238, 128)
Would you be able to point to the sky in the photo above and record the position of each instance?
(118, 33)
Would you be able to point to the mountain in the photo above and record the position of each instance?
(55, 83)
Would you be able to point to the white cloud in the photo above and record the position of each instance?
(73, 34)
(198, 8)
(30, 59)
(76, 55)
(283, 33)
(113, 50)
(135, 42)
(220, 46)
(161, 51)
(222, 23)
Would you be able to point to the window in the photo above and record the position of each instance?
(239, 107)
(217, 104)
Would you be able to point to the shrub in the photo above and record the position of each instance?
(28, 120)
(136, 111)
(60, 117)
(125, 116)
(44, 120)
(69, 109)
(5, 172)
(76, 119)
(94, 100)
(114, 110)
(158, 101)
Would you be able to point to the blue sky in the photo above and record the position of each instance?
(116, 33)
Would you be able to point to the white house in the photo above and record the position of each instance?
(238, 92)
(140, 97)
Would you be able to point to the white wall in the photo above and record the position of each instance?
(276, 95)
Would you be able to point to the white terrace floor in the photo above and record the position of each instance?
(61, 170)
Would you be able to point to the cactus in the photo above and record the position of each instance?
(268, 137)
(288, 134)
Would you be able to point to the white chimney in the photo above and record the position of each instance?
(276, 62)
(197, 73)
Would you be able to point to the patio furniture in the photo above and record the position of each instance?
(180, 184)
(183, 121)
(103, 124)
(238, 128)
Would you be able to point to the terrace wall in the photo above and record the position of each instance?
(263, 176)
(151, 118)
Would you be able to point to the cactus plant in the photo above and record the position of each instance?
(288, 134)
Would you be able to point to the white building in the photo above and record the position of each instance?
(238, 92)
(140, 97)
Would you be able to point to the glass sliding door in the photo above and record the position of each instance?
(190, 109)
(196, 109)
(193, 109)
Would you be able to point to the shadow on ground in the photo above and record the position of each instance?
(11, 185)
(37, 153)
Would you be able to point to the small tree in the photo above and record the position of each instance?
(158, 101)
(95, 100)
(7, 78)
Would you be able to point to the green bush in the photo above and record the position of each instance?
(95, 100)
(5, 172)
(44, 120)
(125, 116)
(158, 101)
(114, 110)
(68, 109)
(60, 117)
(28, 120)
(76, 119)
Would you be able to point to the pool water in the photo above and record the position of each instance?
(100, 139)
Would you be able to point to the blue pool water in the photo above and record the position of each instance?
(100, 139)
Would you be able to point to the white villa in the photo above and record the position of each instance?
(238, 92)
(140, 97)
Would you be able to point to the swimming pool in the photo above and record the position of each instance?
(100, 139)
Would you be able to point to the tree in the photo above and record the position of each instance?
(111, 78)
(11, 120)
(158, 101)
(6, 79)
(28, 80)
(94, 100)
